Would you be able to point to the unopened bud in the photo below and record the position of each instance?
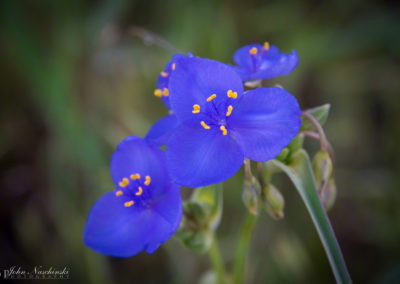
(273, 201)
(251, 190)
(199, 242)
(196, 213)
(296, 143)
(283, 155)
(322, 167)
(328, 194)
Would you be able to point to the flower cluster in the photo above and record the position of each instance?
(212, 126)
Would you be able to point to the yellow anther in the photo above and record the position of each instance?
(119, 193)
(173, 66)
(164, 74)
(124, 182)
(223, 129)
(140, 191)
(266, 45)
(135, 176)
(210, 98)
(196, 109)
(253, 51)
(204, 125)
(231, 94)
(158, 93)
(165, 92)
(148, 180)
(229, 111)
(129, 203)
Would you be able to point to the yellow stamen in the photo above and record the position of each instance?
(164, 74)
(165, 92)
(229, 112)
(158, 93)
(266, 45)
(129, 203)
(119, 193)
(124, 182)
(253, 51)
(148, 180)
(223, 129)
(204, 125)
(140, 191)
(173, 66)
(196, 109)
(231, 94)
(210, 98)
(135, 176)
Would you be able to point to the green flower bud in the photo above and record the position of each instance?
(197, 213)
(273, 201)
(251, 190)
(328, 194)
(283, 155)
(322, 167)
(296, 143)
(199, 242)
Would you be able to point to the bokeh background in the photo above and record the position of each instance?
(75, 81)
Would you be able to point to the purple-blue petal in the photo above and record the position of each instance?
(160, 132)
(264, 122)
(120, 231)
(196, 79)
(200, 157)
(137, 155)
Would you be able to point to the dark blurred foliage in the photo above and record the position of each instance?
(74, 82)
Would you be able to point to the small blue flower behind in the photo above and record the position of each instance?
(219, 125)
(258, 62)
(162, 90)
(161, 130)
(145, 208)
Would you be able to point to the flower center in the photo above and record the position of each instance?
(216, 114)
(135, 187)
(256, 56)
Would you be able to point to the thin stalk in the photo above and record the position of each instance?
(217, 261)
(311, 134)
(323, 139)
(247, 169)
(151, 38)
(242, 249)
(324, 143)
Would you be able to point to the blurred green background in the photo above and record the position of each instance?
(74, 82)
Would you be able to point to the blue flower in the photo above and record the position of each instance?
(220, 125)
(145, 208)
(256, 61)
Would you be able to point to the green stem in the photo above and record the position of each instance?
(216, 261)
(239, 266)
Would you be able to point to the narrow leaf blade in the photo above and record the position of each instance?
(300, 172)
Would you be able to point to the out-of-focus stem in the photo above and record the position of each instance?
(217, 261)
(324, 143)
(260, 175)
(311, 134)
(242, 249)
(247, 169)
(152, 38)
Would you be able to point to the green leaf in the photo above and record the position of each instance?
(320, 113)
(300, 172)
